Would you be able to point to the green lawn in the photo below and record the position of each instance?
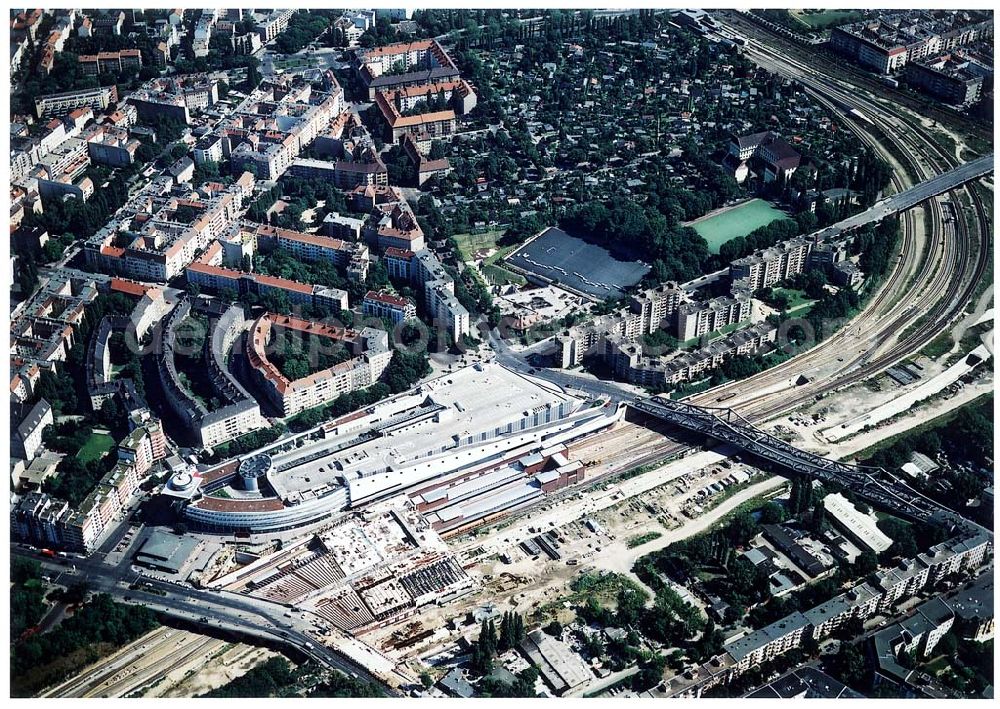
(719, 227)
(468, 244)
(96, 447)
(500, 275)
(818, 20)
(795, 297)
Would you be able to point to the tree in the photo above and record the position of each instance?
(849, 666)
(650, 673)
(818, 517)
(866, 563)
(484, 649)
(254, 77)
(772, 513)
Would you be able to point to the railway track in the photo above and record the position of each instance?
(939, 272)
(945, 265)
(137, 665)
(825, 59)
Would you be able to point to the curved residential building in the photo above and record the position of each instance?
(240, 414)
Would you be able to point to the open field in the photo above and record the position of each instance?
(822, 19)
(727, 223)
(483, 247)
(470, 244)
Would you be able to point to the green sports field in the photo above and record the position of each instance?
(730, 222)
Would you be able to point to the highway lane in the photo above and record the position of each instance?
(227, 611)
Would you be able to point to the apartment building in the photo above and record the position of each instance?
(656, 306)
(274, 24)
(397, 263)
(136, 450)
(350, 255)
(383, 304)
(43, 328)
(345, 174)
(217, 278)
(98, 99)
(50, 522)
(340, 226)
(275, 123)
(239, 413)
(28, 424)
(690, 365)
(435, 124)
(154, 428)
(950, 78)
(439, 294)
(626, 358)
(107, 145)
(771, 265)
(395, 226)
(424, 166)
(175, 97)
(919, 632)
(318, 388)
(765, 644)
(208, 149)
(110, 62)
(404, 64)
(859, 602)
(889, 42)
(149, 244)
(695, 319)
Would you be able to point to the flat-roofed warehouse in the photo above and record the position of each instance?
(860, 527)
(165, 551)
(561, 668)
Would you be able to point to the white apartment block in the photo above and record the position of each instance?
(274, 24)
(772, 265)
(697, 319)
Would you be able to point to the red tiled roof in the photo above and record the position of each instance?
(122, 285)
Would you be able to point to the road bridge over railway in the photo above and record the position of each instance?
(728, 426)
(940, 184)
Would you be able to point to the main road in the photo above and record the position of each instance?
(220, 610)
(937, 185)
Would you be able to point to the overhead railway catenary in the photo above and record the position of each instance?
(729, 427)
(957, 264)
(951, 267)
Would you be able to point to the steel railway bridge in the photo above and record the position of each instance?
(874, 485)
